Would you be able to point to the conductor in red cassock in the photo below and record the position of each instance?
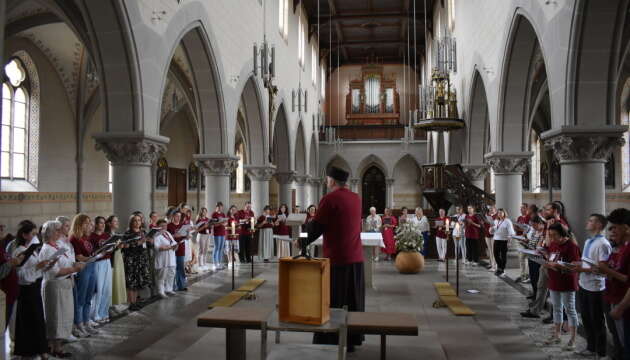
(338, 218)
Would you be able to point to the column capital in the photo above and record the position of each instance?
(314, 181)
(390, 181)
(216, 164)
(475, 172)
(582, 144)
(301, 179)
(353, 181)
(260, 172)
(131, 148)
(508, 163)
(284, 177)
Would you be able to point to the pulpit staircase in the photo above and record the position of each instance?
(446, 185)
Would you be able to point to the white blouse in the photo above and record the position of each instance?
(164, 258)
(65, 261)
(28, 273)
(502, 229)
(374, 223)
(422, 223)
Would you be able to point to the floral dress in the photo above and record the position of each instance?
(137, 272)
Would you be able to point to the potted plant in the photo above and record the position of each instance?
(409, 243)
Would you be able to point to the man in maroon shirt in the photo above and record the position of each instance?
(522, 220)
(338, 218)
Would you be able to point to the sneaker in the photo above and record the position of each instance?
(530, 315)
(162, 296)
(552, 341)
(585, 353)
(518, 279)
(93, 324)
(89, 329)
(171, 293)
(104, 321)
(548, 320)
(570, 346)
(474, 263)
(71, 339)
(78, 332)
(526, 281)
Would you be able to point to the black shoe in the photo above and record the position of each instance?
(531, 297)
(530, 315)
(497, 273)
(548, 320)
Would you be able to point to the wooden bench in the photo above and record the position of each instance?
(448, 298)
(236, 321)
(383, 324)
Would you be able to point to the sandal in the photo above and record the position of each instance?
(552, 341)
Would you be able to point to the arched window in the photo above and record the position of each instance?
(15, 122)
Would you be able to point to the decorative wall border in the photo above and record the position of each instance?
(13, 197)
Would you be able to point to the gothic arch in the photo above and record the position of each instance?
(254, 126)
(338, 161)
(372, 160)
(512, 125)
(281, 144)
(206, 87)
(476, 131)
(300, 166)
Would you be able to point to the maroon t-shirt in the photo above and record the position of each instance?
(567, 252)
(181, 249)
(262, 219)
(523, 219)
(98, 241)
(219, 230)
(244, 216)
(82, 246)
(619, 261)
(205, 231)
(340, 213)
(441, 233)
(282, 228)
(471, 231)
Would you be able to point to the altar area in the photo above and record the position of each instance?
(168, 329)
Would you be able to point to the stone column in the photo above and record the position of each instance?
(508, 170)
(389, 196)
(284, 180)
(300, 187)
(314, 192)
(217, 169)
(260, 175)
(131, 156)
(447, 147)
(582, 153)
(354, 185)
(476, 174)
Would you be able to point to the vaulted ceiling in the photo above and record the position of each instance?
(358, 30)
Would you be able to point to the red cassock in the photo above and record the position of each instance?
(388, 234)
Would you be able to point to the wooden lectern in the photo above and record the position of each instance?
(303, 285)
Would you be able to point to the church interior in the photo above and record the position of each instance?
(166, 166)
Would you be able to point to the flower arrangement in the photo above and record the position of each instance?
(409, 237)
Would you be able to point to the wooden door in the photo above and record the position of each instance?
(374, 190)
(176, 186)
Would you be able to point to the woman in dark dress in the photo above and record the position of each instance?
(137, 272)
(30, 326)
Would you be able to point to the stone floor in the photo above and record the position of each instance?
(167, 328)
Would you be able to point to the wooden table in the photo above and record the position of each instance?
(236, 321)
(383, 324)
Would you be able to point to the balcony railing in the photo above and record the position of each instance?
(370, 132)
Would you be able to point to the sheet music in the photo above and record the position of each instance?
(439, 223)
(184, 230)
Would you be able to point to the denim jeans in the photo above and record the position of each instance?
(86, 286)
(460, 245)
(103, 296)
(219, 247)
(425, 244)
(563, 300)
(180, 274)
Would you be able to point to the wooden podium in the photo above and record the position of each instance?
(304, 291)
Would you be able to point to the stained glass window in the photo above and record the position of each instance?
(15, 123)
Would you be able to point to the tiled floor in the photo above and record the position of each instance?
(167, 329)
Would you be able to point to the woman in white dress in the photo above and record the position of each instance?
(57, 289)
(265, 234)
(373, 222)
